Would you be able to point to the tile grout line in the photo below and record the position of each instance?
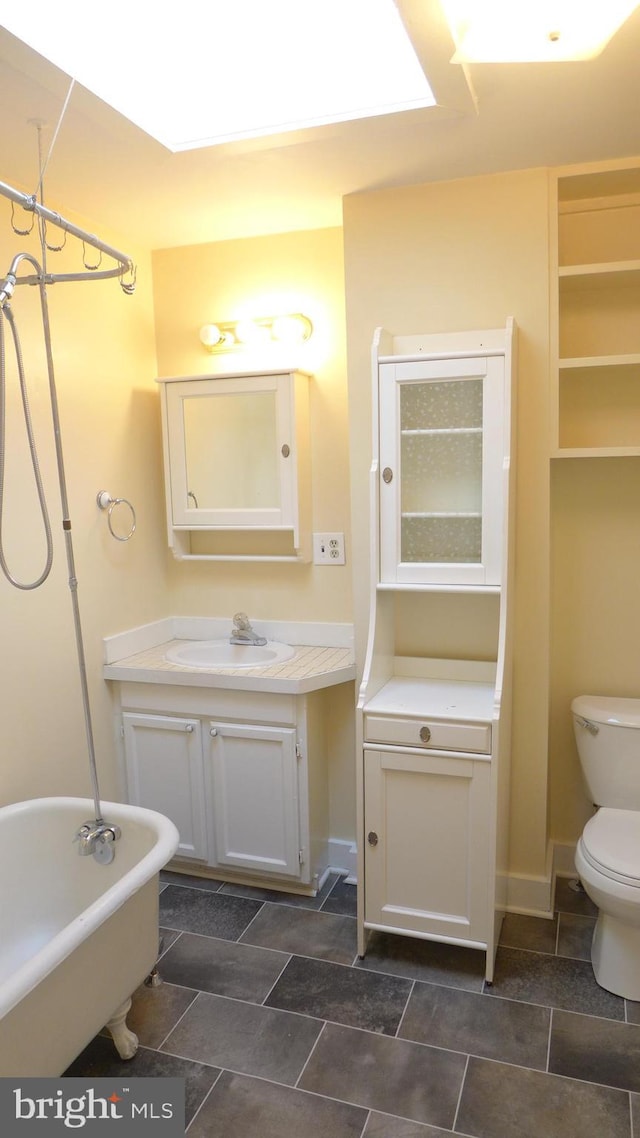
(197, 1112)
(197, 992)
(404, 1010)
(459, 1102)
(277, 979)
(296, 1085)
(549, 1041)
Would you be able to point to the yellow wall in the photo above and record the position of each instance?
(105, 366)
(596, 615)
(447, 257)
(290, 272)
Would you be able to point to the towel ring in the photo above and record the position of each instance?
(106, 502)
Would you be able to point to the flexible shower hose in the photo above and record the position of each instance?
(5, 312)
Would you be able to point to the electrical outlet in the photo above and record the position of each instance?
(328, 549)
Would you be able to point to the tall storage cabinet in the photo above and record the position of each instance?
(434, 709)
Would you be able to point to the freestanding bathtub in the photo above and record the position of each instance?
(76, 937)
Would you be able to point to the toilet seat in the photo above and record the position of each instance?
(610, 843)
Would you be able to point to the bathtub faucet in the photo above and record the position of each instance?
(97, 837)
(243, 633)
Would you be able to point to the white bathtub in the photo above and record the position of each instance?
(76, 937)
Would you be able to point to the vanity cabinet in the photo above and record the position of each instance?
(595, 286)
(434, 705)
(243, 775)
(236, 455)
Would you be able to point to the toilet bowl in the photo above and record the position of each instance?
(608, 865)
(607, 857)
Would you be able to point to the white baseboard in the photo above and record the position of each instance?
(343, 859)
(533, 896)
(564, 859)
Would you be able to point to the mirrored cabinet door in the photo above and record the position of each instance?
(237, 460)
(440, 459)
(231, 462)
(231, 450)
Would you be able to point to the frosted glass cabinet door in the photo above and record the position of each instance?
(441, 453)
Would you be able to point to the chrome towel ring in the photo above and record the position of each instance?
(106, 502)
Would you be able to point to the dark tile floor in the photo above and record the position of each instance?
(280, 1030)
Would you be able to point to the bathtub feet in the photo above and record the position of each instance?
(154, 979)
(126, 1041)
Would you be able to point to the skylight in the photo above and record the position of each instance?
(194, 74)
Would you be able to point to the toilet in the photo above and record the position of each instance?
(607, 732)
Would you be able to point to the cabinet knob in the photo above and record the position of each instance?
(372, 838)
(285, 450)
(425, 734)
(387, 474)
(213, 731)
(189, 728)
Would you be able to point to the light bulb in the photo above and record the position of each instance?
(291, 329)
(210, 335)
(249, 332)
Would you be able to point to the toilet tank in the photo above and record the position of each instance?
(607, 732)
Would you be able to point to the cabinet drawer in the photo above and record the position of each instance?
(427, 733)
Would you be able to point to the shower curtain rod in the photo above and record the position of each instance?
(30, 203)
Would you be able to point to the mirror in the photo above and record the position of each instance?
(231, 451)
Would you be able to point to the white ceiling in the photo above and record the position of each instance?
(507, 117)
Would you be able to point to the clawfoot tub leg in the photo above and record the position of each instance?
(154, 979)
(126, 1042)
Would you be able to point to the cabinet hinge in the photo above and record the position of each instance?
(122, 730)
(301, 857)
(298, 751)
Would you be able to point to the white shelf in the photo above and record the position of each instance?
(422, 587)
(596, 452)
(633, 358)
(441, 431)
(599, 275)
(442, 514)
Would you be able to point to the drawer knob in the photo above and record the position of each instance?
(387, 474)
(213, 731)
(372, 838)
(425, 734)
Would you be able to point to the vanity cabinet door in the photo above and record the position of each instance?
(253, 793)
(426, 844)
(164, 764)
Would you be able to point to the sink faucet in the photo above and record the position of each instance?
(243, 633)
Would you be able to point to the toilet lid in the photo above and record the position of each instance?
(611, 843)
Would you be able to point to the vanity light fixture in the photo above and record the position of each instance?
(292, 328)
(501, 31)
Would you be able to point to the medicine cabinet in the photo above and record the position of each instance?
(595, 283)
(434, 706)
(236, 455)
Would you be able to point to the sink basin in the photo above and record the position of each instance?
(222, 654)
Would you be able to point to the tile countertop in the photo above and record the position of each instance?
(310, 669)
